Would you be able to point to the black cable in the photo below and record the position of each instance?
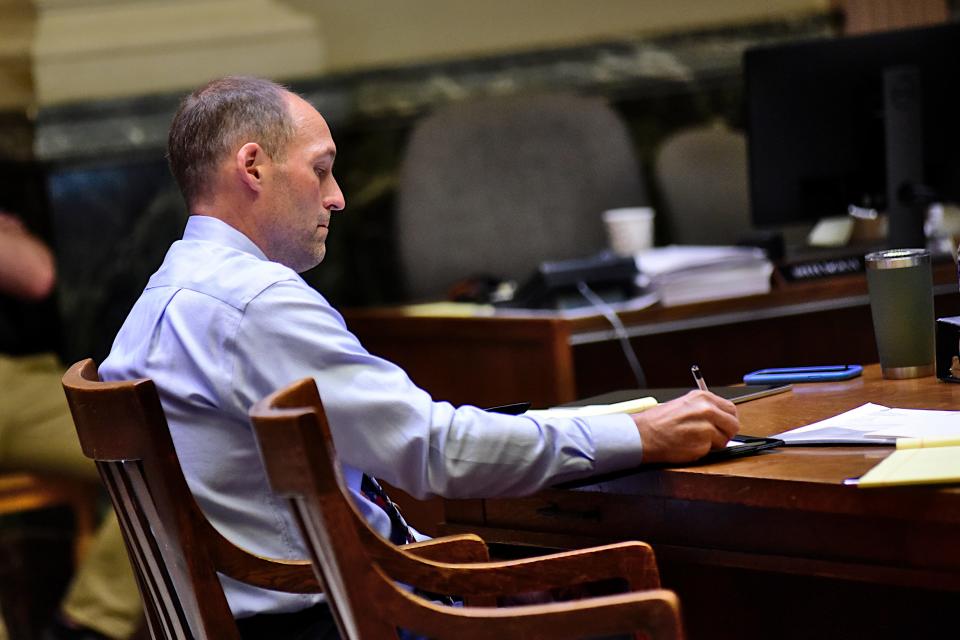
(600, 305)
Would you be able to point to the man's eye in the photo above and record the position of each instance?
(320, 171)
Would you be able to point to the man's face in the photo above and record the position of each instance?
(301, 193)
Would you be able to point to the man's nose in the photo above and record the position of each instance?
(334, 200)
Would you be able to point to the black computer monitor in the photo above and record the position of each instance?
(871, 121)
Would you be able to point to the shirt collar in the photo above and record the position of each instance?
(216, 230)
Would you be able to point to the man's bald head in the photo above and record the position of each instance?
(218, 118)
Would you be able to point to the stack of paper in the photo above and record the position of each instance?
(687, 274)
(876, 424)
(928, 442)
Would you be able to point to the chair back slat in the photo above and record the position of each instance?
(168, 579)
(176, 553)
(164, 613)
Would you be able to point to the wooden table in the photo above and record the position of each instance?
(776, 534)
(550, 359)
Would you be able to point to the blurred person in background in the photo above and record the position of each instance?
(37, 435)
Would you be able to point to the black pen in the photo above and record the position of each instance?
(698, 378)
(514, 409)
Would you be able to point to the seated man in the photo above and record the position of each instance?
(227, 320)
(37, 434)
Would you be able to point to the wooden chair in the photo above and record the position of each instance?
(21, 492)
(175, 551)
(358, 567)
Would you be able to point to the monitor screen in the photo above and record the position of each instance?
(817, 118)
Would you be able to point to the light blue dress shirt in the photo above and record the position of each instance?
(219, 327)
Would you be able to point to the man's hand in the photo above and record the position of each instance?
(26, 264)
(685, 429)
(11, 225)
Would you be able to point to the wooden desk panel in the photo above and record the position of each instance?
(775, 527)
(481, 361)
(726, 352)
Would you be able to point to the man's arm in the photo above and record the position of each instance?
(385, 425)
(388, 427)
(26, 264)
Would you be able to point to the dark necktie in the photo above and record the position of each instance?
(399, 530)
(399, 533)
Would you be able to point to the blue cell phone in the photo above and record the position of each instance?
(804, 374)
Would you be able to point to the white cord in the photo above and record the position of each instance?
(600, 305)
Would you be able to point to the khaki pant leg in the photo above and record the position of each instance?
(36, 430)
(103, 594)
(37, 434)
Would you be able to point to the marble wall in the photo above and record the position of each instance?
(111, 208)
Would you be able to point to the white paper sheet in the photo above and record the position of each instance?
(876, 424)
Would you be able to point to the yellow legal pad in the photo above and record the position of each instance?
(906, 466)
(629, 406)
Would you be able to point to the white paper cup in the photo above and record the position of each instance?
(629, 229)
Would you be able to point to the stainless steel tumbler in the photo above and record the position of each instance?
(901, 301)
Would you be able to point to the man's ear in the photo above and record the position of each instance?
(249, 164)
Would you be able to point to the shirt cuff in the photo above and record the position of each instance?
(617, 440)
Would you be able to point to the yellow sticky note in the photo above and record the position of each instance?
(448, 310)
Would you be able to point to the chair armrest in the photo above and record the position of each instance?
(463, 548)
(290, 576)
(297, 576)
(633, 562)
(655, 613)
